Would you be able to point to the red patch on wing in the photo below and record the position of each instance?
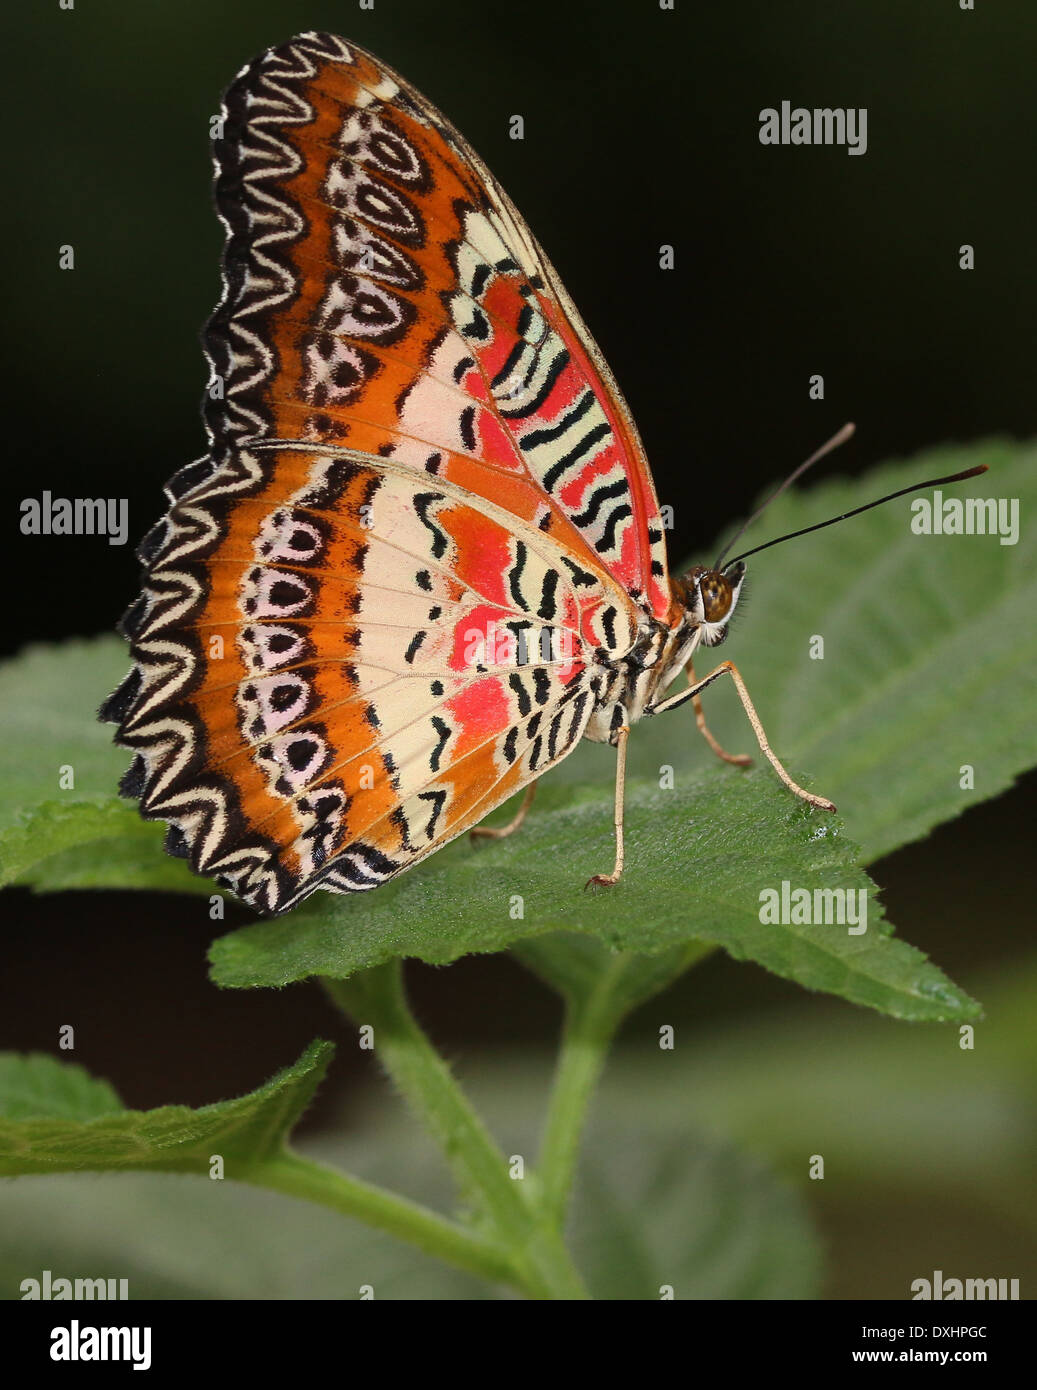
(480, 713)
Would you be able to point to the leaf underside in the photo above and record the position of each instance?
(54, 1118)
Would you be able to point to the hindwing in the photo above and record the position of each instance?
(342, 664)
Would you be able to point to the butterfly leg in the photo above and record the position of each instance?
(738, 759)
(493, 832)
(621, 735)
(729, 668)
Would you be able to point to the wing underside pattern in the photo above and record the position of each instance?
(383, 601)
(342, 665)
(382, 293)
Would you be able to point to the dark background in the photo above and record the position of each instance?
(640, 129)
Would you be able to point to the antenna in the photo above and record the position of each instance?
(839, 438)
(915, 487)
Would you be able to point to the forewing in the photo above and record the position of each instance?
(382, 293)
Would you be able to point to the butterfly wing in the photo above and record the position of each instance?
(382, 293)
(343, 663)
(413, 441)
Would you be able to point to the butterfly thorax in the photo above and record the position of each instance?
(703, 602)
(629, 686)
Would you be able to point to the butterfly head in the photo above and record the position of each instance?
(710, 597)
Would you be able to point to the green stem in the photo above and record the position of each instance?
(590, 1024)
(377, 997)
(290, 1173)
(591, 1021)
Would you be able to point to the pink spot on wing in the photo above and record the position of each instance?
(479, 713)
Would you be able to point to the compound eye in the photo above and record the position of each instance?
(716, 597)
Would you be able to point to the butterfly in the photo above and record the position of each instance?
(422, 557)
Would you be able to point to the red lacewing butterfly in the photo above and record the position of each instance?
(423, 556)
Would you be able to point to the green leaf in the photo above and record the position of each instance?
(50, 697)
(40, 1087)
(76, 844)
(172, 1239)
(741, 836)
(54, 1119)
(692, 1215)
(575, 965)
(84, 836)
